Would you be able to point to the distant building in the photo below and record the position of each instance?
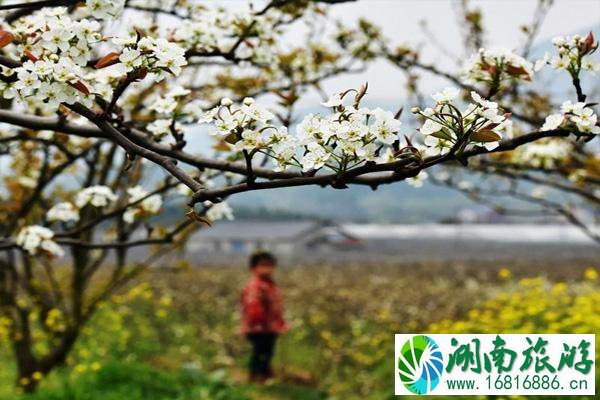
(281, 237)
(487, 216)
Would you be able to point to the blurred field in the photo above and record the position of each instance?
(177, 337)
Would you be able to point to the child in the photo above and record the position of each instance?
(262, 315)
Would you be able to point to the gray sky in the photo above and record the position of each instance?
(400, 21)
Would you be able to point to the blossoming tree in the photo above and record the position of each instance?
(552, 175)
(99, 94)
(72, 240)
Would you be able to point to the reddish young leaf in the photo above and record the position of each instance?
(518, 71)
(79, 85)
(485, 135)
(141, 74)
(492, 69)
(30, 56)
(109, 59)
(6, 38)
(589, 44)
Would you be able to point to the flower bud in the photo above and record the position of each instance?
(415, 110)
(248, 100)
(226, 102)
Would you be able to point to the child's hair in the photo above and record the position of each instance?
(261, 256)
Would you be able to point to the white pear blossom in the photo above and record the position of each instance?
(446, 126)
(569, 107)
(63, 212)
(418, 180)
(315, 158)
(586, 121)
(547, 153)
(446, 95)
(104, 9)
(149, 205)
(218, 211)
(257, 113)
(430, 127)
(159, 128)
(574, 55)
(58, 49)
(131, 59)
(35, 239)
(169, 55)
(226, 102)
(96, 196)
(385, 127)
(494, 66)
(310, 128)
(579, 114)
(483, 102)
(552, 121)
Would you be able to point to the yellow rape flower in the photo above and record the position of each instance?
(95, 366)
(591, 274)
(505, 274)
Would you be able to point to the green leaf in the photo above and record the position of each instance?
(442, 135)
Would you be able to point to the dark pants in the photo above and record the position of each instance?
(263, 346)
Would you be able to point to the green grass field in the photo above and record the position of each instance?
(175, 335)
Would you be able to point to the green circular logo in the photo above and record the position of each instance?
(420, 364)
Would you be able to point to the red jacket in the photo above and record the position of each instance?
(262, 307)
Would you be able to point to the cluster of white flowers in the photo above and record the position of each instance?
(480, 124)
(543, 154)
(495, 66)
(149, 206)
(363, 41)
(216, 29)
(167, 108)
(302, 64)
(418, 180)
(103, 9)
(102, 196)
(57, 47)
(58, 50)
(155, 55)
(578, 114)
(573, 54)
(63, 212)
(96, 196)
(35, 238)
(345, 138)
(205, 30)
(218, 211)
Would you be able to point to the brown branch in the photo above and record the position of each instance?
(401, 170)
(138, 137)
(132, 148)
